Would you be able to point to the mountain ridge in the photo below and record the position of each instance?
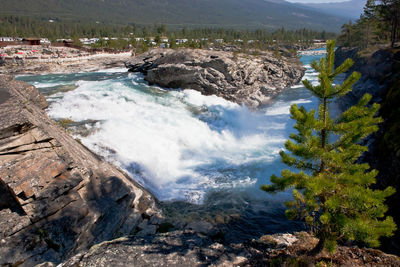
(351, 9)
(192, 13)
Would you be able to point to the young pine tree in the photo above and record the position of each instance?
(332, 190)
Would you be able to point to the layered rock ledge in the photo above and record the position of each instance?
(56, 197)
(241, 78)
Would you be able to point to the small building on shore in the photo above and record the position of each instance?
(6, 39)
(45, 41)
(181, 41)
(31, 41)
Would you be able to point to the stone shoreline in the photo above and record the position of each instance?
(57, 197)
(86, 63)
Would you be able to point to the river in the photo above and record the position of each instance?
(203, 156)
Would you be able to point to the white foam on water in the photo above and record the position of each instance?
(180, 143)
(283, 108)
(113, 70)
(312, 77)
(48, 84)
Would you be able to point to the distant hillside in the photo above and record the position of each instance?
(192, 13)
(348, 9)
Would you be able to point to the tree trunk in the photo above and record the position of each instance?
(323, 135)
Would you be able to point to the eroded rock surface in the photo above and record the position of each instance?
(188, 248)
(56, 197)
(178, 248)
(236, 77)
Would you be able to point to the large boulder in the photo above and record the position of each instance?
(241, 78)
(56, 197)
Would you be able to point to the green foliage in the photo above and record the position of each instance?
(380, 23)
(18, 26)
(262, 39)
(118, 44)
(141, 47)
(65, 123)
(332, 190)
(76, 41)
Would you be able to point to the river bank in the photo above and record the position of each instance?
(68, 62)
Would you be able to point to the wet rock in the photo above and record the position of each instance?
(56, 196)
(239, 78)
(200, 227)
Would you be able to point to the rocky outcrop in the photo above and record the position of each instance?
(252, 80)
(188, 248)
(56, 197)
(381, 78)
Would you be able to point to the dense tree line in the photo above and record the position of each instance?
(379, 23)
(17, 26)
(230, 35)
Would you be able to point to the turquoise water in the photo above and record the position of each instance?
(181, 145)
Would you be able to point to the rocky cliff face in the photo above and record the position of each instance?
(376, 71)
(56, 197)
(381, 78)
(236, 77)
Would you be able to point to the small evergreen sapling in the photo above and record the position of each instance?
(332, 190)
